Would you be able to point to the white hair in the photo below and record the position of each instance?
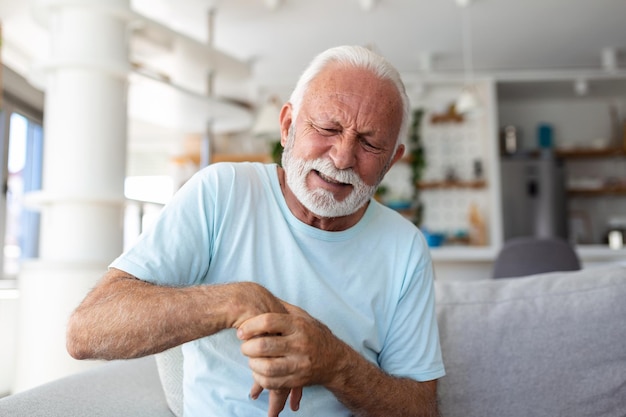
(357, 57)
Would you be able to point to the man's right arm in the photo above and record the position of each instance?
(124, 317)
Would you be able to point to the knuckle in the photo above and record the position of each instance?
(267, 369)
(264, 344)
(266, 320)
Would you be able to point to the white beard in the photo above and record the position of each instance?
(322, 202)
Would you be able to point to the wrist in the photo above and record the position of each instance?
(244, 300)
(224, 304)
(236, 305)
(345, 365)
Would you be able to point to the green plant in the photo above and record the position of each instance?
(417, 161)
(276, 152)
(381, 191)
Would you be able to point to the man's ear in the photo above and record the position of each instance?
(396, 157)
(285, 122)
(399, 153)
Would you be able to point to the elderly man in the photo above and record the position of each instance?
(292, 280)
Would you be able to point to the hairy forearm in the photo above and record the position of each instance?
(124, 317)
(369, 392)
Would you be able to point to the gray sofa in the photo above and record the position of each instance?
(545, 345)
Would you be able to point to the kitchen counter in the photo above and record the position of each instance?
(472, 263)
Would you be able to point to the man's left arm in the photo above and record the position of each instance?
(368, 391)
(295, 350)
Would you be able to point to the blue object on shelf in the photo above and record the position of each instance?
(544, 135)
(434, 239)
(398, 204)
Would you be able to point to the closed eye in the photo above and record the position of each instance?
(327, 131)
(370, 147)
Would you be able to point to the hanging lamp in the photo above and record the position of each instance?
(468, 101)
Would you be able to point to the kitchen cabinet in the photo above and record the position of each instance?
(588, 137)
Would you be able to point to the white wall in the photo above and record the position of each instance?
(8, 333)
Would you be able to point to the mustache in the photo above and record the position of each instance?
(327, 169)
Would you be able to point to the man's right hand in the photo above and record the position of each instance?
(251, 300)
(124, 317)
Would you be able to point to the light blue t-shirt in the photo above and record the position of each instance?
(371, 284)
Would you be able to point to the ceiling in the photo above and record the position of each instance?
(263, 45)
(505, 34)
(277, 38)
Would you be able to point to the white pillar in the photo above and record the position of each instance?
(83, 177)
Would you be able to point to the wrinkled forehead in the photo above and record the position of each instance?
(336, 77)
(359, 90)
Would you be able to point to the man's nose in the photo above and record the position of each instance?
(343, 152)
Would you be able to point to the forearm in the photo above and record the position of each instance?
(369, 392)
(124, 317)
(295, 350)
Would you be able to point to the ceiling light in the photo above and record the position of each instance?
(272, 4)
(426, 60)
(609, 59)
(581, 87)
(468, 101)
(367, 5)
(267, 125)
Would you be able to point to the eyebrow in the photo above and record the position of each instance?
(335, 122)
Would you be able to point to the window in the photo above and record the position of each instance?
(23, 145)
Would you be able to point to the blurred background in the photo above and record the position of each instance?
(108, 106)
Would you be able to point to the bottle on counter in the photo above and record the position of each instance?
(477, 227)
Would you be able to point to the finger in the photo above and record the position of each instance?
(265, 347)
(277, 401)
(255, 391)
(294, 398)
(262, 325)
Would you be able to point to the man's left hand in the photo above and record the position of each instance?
(287, 352)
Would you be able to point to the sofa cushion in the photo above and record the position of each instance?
(170, 368)
(120, 388)
(545, 345)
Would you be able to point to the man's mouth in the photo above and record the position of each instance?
(329, 180)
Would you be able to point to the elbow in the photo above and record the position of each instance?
(75, 341)
(76, 351)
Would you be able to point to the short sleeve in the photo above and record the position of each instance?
(176, 249)
(412, 347)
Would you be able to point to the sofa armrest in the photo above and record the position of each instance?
(120, 388)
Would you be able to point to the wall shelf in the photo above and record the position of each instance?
(445, 185)
(618, 190)
(589, 153)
